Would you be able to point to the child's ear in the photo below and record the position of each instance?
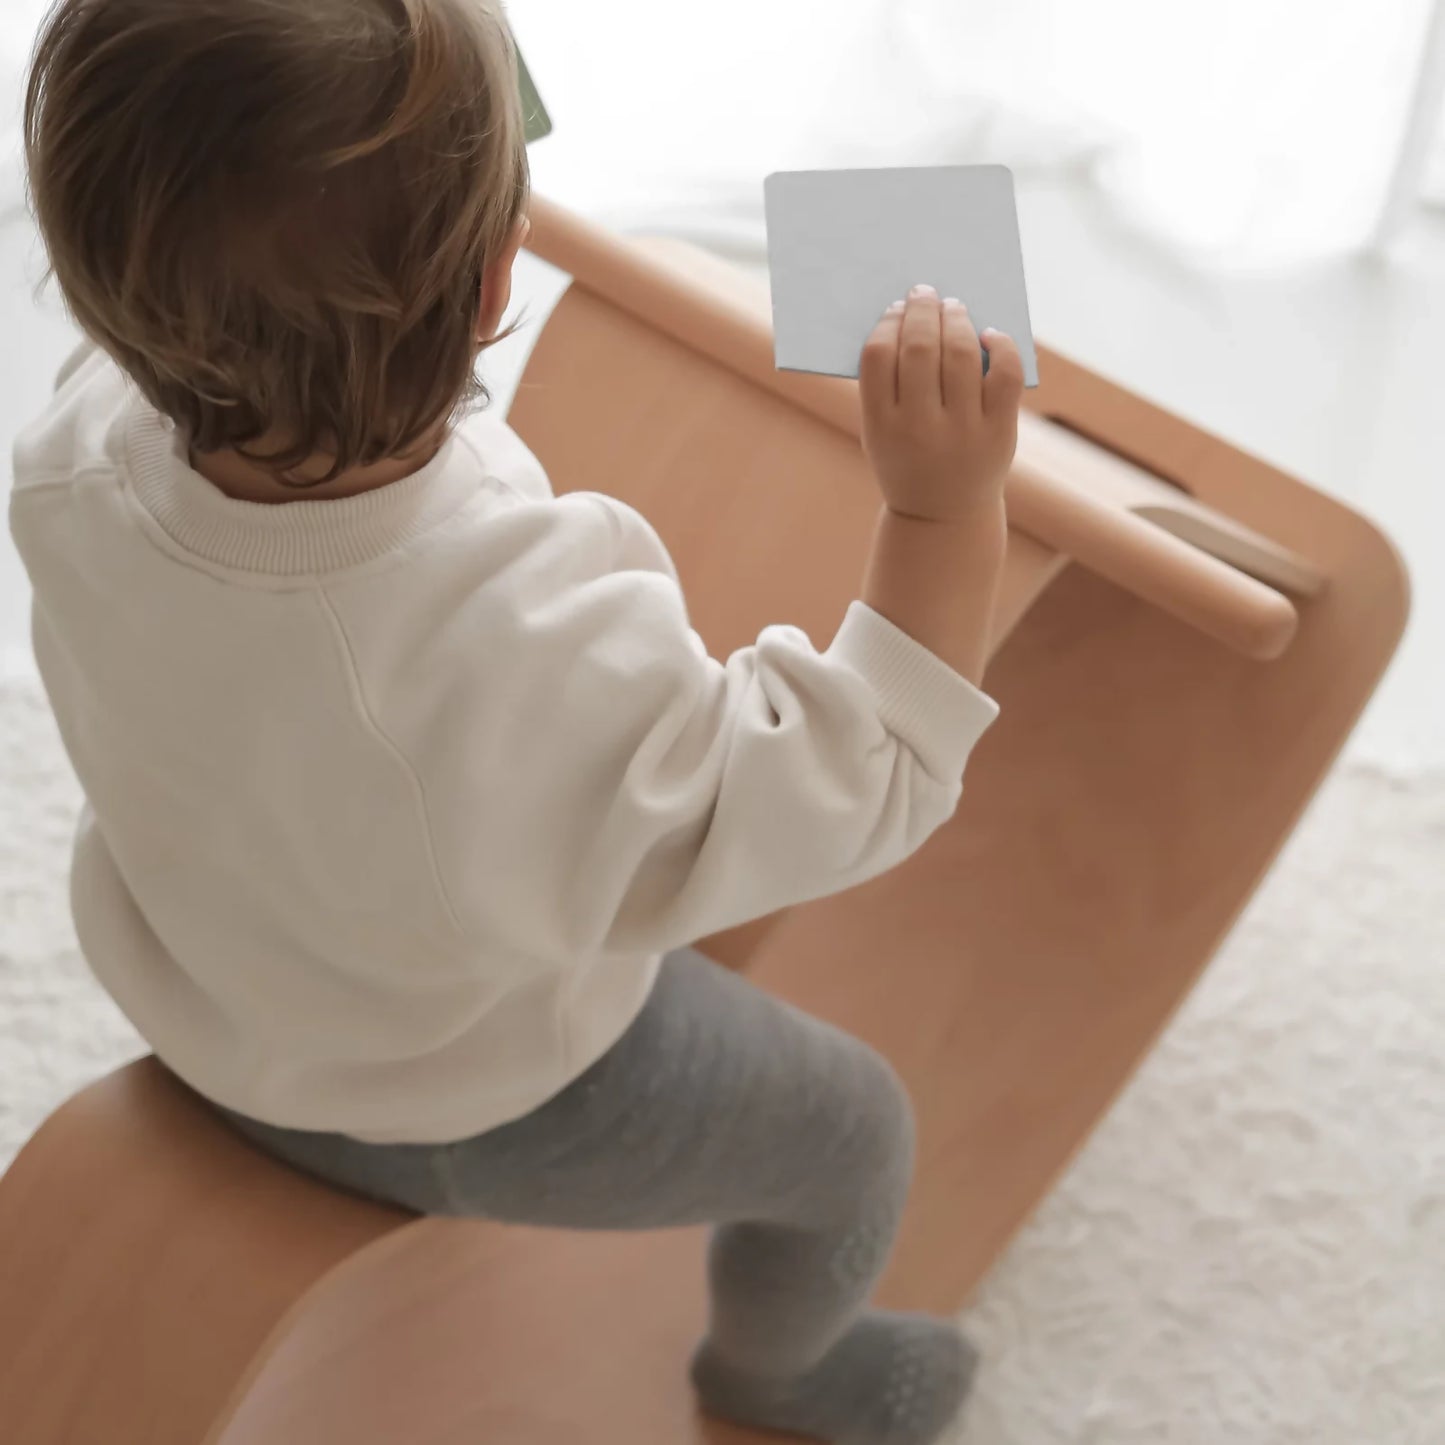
(497, 283)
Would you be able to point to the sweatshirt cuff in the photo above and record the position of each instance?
(921, 699)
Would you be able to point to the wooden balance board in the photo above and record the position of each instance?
(1186, 637)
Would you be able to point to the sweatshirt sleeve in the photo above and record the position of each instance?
(653, 795)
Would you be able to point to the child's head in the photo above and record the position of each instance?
(291, 221)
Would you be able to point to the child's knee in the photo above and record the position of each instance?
(885, 1132)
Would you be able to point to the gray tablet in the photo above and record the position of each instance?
(843, 244)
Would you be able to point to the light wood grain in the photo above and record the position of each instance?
(145, 1258)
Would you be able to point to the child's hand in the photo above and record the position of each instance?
(939, 433)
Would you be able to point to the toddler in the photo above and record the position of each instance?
(408, 784)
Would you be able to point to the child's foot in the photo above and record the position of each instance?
(891, 1380)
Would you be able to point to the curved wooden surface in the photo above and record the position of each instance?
(146, 1257)
(1137, 786)
(161, 1284)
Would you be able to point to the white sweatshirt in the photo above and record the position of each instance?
(395, 802)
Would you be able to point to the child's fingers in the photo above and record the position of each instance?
(878, 366)
(1004, 385)
(919, 350)
(962, 358)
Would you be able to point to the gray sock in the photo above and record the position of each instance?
(891, 1380)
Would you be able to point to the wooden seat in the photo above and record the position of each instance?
(1186, 637)
(162, 1283)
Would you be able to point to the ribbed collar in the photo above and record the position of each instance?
(288, 539)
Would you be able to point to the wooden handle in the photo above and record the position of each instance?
(736, 331)
(1134, 554)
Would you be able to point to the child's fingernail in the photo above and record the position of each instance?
(952, 301)
(897, 306)
(990, 331)
(923, 290)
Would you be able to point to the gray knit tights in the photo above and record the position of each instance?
(719, 1106)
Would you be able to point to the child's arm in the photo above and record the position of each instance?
(598, 785)
(941, 436)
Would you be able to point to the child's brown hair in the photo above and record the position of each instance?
(276, 214)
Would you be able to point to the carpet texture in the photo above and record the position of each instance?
(1252, 1247)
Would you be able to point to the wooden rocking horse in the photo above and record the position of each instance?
(1186, 637)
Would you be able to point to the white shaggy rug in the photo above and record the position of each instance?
(1252, 1248)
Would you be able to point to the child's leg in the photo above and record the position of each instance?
(721, 1106)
